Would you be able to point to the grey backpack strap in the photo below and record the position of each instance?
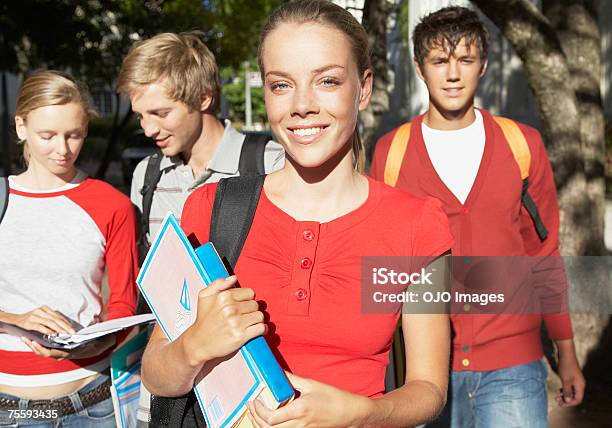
(252, 155)
(4, 196)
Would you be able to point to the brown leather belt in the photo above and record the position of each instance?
(63, 405)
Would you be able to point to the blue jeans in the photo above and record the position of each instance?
(508, 398)
(99, 415)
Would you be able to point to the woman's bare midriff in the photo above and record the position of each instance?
(47, 392)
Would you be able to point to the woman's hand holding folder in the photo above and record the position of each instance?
(227, 318)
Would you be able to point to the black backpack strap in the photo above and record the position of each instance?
(151, 178)
(252, 155)
(233, 211)
(236, 200)
(4, 196)
(532, 209)
(177, 414)
(183, 412)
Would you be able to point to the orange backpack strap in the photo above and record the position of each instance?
(396, 153)
(522, 155)
(517, 142)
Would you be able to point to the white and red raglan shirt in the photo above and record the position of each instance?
(54, 249)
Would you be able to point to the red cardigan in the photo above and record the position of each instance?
(491, 222)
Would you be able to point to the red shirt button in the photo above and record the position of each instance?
(305, 263)
(308, 235)
(301, 294)
(466, 210)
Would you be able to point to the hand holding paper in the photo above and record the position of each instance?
(88, 350)
(43, 320)
(54, 339)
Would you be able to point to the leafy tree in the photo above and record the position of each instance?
(26, 42)
(91, 37)
(235, 28)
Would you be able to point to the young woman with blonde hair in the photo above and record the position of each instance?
(316, 218)
(60, 232)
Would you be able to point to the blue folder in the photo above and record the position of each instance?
(257, 348)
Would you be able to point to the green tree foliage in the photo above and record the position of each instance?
(116, 24)
(235, 28)
(90, 38)
(33, 34)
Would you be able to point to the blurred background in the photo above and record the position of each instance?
(550, 66)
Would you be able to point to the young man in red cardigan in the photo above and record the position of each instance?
(460, 155)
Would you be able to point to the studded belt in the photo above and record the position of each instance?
(63, 405)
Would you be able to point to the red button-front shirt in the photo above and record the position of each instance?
(308, 276)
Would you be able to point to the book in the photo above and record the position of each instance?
(171, 277)
(66, 341)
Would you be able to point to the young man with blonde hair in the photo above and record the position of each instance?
(174, 87)
(498, 204)
(173, 83)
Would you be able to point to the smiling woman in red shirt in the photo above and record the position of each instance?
(316, 219)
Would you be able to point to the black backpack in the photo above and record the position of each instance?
(251, 163)
(4, 196)
(236, 200)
